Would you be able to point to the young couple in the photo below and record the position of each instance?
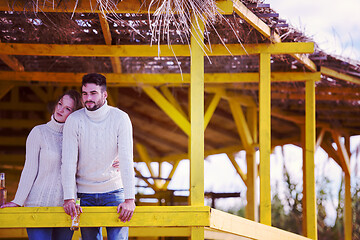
(79, 153)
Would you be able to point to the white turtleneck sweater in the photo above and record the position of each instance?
(40, 181)
(92, 141)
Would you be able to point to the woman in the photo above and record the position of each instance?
(40, 181)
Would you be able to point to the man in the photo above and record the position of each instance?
(94, 138)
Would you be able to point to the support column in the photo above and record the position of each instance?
(252, 173)
(196, 151)
(265, 137)
(309, 195)
(347, 208)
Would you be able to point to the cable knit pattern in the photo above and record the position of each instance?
(40, 181)
(93, 140)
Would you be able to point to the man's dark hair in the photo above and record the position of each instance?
(95, 78)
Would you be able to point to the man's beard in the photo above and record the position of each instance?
(95, 107)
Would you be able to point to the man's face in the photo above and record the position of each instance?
(92, 96)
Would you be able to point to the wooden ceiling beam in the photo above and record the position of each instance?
(91, 6)
(75, 50)
(138, 79)
(339, 75)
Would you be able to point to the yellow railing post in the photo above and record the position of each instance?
(197, 120)
(309, 196)
(347, 208)
(265, 137)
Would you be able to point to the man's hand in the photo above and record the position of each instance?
(126, 210)
(70, 208)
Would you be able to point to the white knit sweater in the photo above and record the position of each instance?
(92, 141)
(40, 181)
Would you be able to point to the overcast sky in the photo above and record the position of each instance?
(334, 25)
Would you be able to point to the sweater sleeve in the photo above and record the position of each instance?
(31, 167)
(125, 154)
(69, 158)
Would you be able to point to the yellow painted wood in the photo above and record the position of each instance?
(265, 138)
(170, 97)
(196, 145)
(12, 62)
(342, 152)
(171, 174)
(139, 79)
(238, 168)
(197, 233)
(144, 156)
(348, 209)
(12, 141)
(241, 124)
(319, 138)
(171, 216)
(252, 120)
(252, 189)
(310, 216)
(88, 6)
(43, 96)
(23, 106)
(150, 50)
(211, 107)
(153, 186)
(168, 108)
(265, 30)
(243, 227)
(115, 61)
(336, 74)
(241, 99)
(220, 235)
(4, 89)
(20, 123)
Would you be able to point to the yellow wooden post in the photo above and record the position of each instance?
(197, 120)
(309, 201)
(251, 193)
(265, 137)
(348, 209)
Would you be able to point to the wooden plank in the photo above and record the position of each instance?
(230, 223)
(150, 51)
(138, 79)
(179, 216)
(338, 75)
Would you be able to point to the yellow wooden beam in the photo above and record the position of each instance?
(149, 50)
(342, 152)
(4, 89)
(241, 99)
(12, 141)
(248, 229)
(22, 106)
(266, 31)
(310, 215)
(20, 123)
(265, 138)
(92, 6)
(181, 216)
(320, 138)
(171, 174)
(211, 107)
(238, 168)
(12, 62)
(153, 186)
(170, 97)
(339, 75)
(168, 108)
(115, 61)
(196, 145)
(138, 79)
(241, 124)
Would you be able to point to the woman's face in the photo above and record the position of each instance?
(63, 108)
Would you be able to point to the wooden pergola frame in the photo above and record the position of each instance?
(196, 220)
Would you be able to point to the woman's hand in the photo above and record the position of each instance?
(9, 204)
